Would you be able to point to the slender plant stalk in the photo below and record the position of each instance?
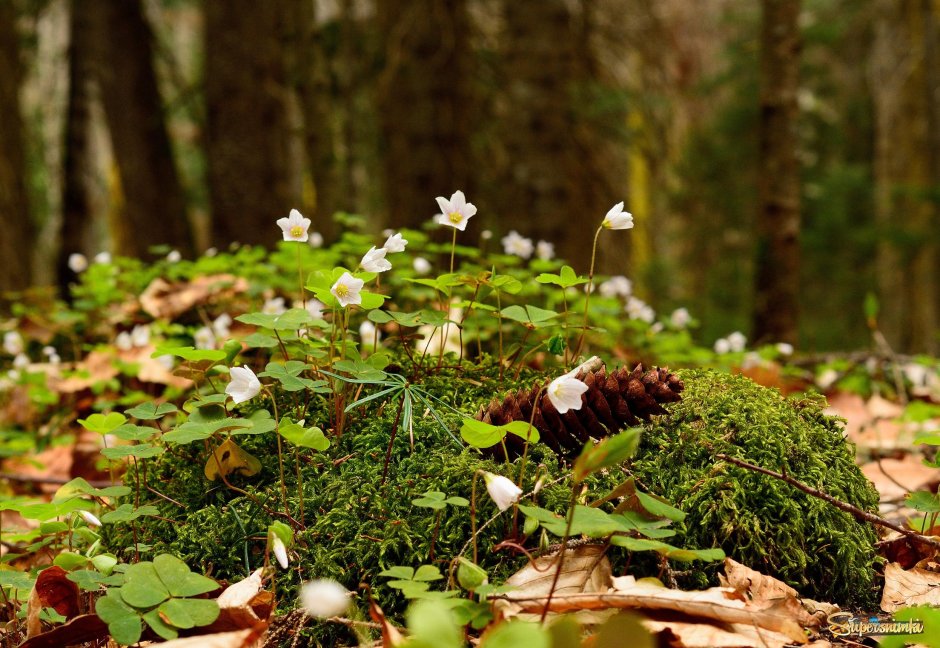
(590, 289)
(564, 546)
(300, 277)
(280, 452)
(473, 513)
(453, 247)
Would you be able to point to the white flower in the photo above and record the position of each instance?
(456, 211)
(78, 262)
(174, 256)
(21, 361)
(502, 490)
(140, 336)
(13, 343)
(638, 309)
(274, 306)
(421, 265)
(49, 351)
(618, 219)
(55, 359)
(375, 261)
(616, 285)
(315, 240)
(244, 384)
(545, 250)
(346, 290)
(294, 227)
(204, 338)
(368, 332)
(90, 518)
(313, 306)
(103, 257)
(565, 392)
(737, 341)
(220, 326)
(680, 318)
(123, 341)
(722, 346)
(324, 598)
(518, 245)
(166, 361)
(279, 550)
(784, 349)
(395, 243)
(211, 252)
(486, 234)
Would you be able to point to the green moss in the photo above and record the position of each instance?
(760, 521)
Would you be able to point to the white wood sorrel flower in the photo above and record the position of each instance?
(395, 243)
(565, 392)
(279, 550)
(346, 290)
(324, 598)
(502, 490)
(618, 219)
(294, 226)
(90, 518)
(375, 261)
(456, 211)
(244, 384)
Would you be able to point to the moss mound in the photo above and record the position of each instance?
(758, 520)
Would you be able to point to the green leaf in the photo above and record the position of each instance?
(287, 373)
(433, 625)
(924, 501)
(523, 430)
(69, 561)
(158, 625)
(612, 451)
(16, 579)
(151, 411)
(189, 353)
(481, 435)
(587, 520)
(102, 423)
(566, 279)
(469, 574)
(176, 613)
(131, 432)
(79, 485)
(304, 437)
(427, 573)
(260, 341)
(400, 572)
(370, 300)
(659, 508)
(104, 563)
(282, 531)
(87, 579)
(127, 512)
(179, 580)
(142, 587)
(531, 315)
(624, 629)
(191, 431)
(290, 320)
(141, 451)
(513, 634)
(123, 621)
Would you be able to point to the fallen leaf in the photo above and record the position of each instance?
(585, 569)
(54, 590)
(162, 299)
(895, 478)
(229, 458)
(244, 605)
(871, 424)
(391, 636)
(911, 587)
(96, 367)
(248, 638)
(81, 629)
(708, 635)
(766, 592)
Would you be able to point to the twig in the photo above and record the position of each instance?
(839, 504)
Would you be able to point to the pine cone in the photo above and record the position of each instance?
(612, 402)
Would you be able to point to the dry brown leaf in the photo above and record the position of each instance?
(53, 589)
(81, 629)
(912, 587)
(766, 592)
(162, 299)
(229, 458)
(900, 548)
(708, 635)
(910, 473)
(871, 424)
(98, 365)
(244, 605)
(391, 636)
(248, 638)
(585, 569)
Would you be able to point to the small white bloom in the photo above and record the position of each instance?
(486, 234)
(367, 331)
(565, 392)
(279, 550)
(617, 285)
(49, 351)
(315, 240)
(737, 341)
(375, 261)
(657, 327)
(78, 262)
(274, 306)
(518, 245)
(395, 243)
(21, 361)
(346, 290)
(456, 211)
(140, 336)
(545, 250)
(13, 342)
(166, 361)
(314, 307)
(784, 348)
(618, 219)
(90, 518)
(680, 318)
(211, 252)
(174, 256)
(324, 598)
(221, 324)
(294, 227)
(722, 346)
(103, 257)
(55, 359)
(638, 309)
(244, 384)
(123, 341)
(204, 338)
(502, 490)
(421, 265)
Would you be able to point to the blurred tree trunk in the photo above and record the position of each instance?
(906, 174)
(246, 121)
(15, 225)
(556, 183)
(153, 208)
(778, 221)
(76, 199)
(425, 105)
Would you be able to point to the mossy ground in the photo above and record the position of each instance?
(356, 525)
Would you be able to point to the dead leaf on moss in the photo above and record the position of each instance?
(693, 634)
(244, 604)
(96, 367)
(871, 424)
(52, 589)
(585, 569)
(391, 636)
(162, 299)
(248, 638)
(766, 592)
(229, 458)
(905, 588)
(894, 478)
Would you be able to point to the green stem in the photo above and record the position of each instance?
(453, 247)
(590, 289)
(473, 514)
(300, 276)
(564, 546)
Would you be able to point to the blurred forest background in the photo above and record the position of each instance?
(781, 158)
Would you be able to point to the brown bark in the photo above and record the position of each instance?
(246, 121)
(425, 105)
(153, 208)
(776, 302)
(15, 224)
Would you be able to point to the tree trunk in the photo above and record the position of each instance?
(153, 208)
(15, 224)
(776, 300)
(425, 106)
(246, 121)
(906, 174)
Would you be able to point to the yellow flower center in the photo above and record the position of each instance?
(342, 290)
(296, 231)
(455, 217)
